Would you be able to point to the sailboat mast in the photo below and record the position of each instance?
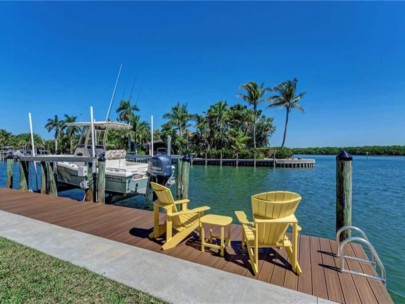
(113, 94)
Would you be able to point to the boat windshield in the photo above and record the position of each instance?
(86, 139)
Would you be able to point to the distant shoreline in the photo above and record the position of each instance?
(395, 150)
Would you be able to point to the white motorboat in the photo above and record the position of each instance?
(122, 177)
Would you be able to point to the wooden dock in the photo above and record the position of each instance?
(267, 162)
(131, 226)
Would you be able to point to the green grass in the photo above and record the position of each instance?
(29, 276)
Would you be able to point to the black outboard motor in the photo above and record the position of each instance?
(160, 168)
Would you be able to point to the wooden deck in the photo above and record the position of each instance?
(132, 226)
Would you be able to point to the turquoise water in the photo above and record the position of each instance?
(378, 201)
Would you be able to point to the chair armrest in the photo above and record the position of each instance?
(195, 210)
(182, 201)
(242, 218)
(291, 219)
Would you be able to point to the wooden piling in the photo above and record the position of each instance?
(185, 175)
(44, 178)
(343, 192)
(101, 180)
(179, 180)
(254, 159)
(10, 171)
(24, 173)
(95, 183)
(52, 189)
(89, 190)
(220, 162)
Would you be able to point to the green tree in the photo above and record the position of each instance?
(265, 129)
(237, 140)
(201, 134)
(218, 118)
(254, 96)
(126, 111)
(179, 119)
(70, 131)
(23, 140)
(141, 130)
(57, 126)
(5, 138)
(287, 99)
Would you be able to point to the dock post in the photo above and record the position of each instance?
(24, 170)
(343, 192)
(206, 158)
(89, 190)
(101, 179)
(254, 158)
(53, 190)
(185, 174)
(95, 181)
(10, 173)
(220, 162)
(179, 179)
(44, 178)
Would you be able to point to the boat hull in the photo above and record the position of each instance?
(121, 182)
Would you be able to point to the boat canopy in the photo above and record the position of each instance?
(101, 125)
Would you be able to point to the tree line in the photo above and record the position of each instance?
(364, 150)
(239, 130)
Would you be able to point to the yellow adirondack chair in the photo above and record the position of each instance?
(273, 213)
(183, 221)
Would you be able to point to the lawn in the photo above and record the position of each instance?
(29, 276)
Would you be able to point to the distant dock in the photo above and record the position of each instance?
(267, 162)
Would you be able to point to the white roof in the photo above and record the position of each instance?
(101, 124)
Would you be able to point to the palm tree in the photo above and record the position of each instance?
(71, 131)
(237, 141)
(56, 125)
(287, 99)
(218, 117)
(125, 111)
(5, 138)
(179, 119)
(201, 135)
(141, 130)
(254, 96)
(265, 129)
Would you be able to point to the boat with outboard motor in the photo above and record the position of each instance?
(121, 176)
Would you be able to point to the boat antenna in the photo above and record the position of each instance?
(113, 94)
(139, 93)
(133, 85)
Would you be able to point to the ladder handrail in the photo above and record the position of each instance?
(339, 232)
(364, 241)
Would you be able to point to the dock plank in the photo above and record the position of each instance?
(305, 279)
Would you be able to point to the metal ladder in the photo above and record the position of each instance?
(363, 240)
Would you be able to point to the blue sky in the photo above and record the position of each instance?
(63, 57)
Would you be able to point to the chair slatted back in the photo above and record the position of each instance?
(165, 197)
(273, 205)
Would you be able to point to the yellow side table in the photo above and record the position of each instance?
(215, 220)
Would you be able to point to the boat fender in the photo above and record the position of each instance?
(84, 185)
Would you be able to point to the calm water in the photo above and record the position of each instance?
(378, 201)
